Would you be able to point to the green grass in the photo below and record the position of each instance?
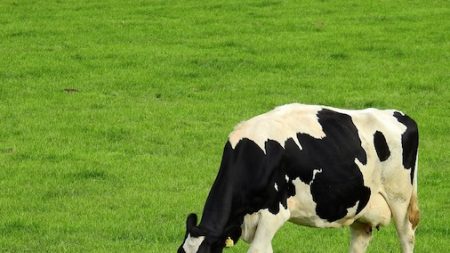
(113, 115)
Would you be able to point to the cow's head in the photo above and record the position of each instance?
(198, 241)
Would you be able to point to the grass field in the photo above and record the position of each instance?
(113, 115)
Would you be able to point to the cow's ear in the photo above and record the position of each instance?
(191, 221)
(233, 233)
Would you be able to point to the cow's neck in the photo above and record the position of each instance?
(231, 196)
(218, 208)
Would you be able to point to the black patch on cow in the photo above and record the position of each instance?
(410, 142)
(340, 184)
(381, 146)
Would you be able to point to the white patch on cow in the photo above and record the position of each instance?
(368, 178)
(276, 187)
(287, 178)
(249, 226)
(302, 205)
(280, 124)
(314, 174)
(377, 211)
(192, 244)
(352, 210)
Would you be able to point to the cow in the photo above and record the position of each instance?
(315, 166)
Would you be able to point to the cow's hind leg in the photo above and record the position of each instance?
(405, 224)
(361, 235)
(268, 225)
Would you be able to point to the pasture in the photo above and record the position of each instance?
(113, 114)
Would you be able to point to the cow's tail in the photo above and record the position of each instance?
(413, 208)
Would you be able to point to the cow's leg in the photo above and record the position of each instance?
(268, 225)
(403, 205)
(249, 227)
(403, 225)
(361, 235)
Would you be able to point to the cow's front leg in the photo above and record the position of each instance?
(268, 225)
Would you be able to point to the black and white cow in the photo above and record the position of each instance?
(316, 166)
